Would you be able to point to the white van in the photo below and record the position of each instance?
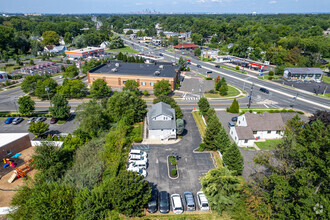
(202, 201)
(138, 152)
(139, 164)
(135, 157)
(176, 203)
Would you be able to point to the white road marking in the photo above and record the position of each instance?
(266, 106)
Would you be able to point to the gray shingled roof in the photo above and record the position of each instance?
(137, 69)
(264, 122)
(244, 133)
(157, 109)
(305, 70)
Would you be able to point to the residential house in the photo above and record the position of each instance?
(55, 49)
(252, 126)
(161, 122)
(104, 44)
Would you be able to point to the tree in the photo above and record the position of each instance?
(162, 87)
(116, 42)
(120, 56)
(232, 157)
(132, 85)
(127, 106)
(71, 71)
(271, 73)
(100, 89)
(172, 103)
(29, 84)
(68, 38)
(129, 32)
(203, 105)
(222, 141)
(212, 130)
(60, 107)
(179, 126)
(129, 193)
(45, 88)
(182, 62)
(92, 124)
(50, 38)
(73, 88)
(323, 116)
(79, 41)
(38, 128)
(145, 92)
(26, 105)
(197, 52)
(234, 108)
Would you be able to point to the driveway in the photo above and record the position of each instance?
(191, 166)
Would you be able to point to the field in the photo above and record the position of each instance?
(125, 49)
(199, 121)
(268, 144)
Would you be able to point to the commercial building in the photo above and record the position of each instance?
(116, 73)
(85, 52)
(186, 46)
(131, 29)
(12, 143)
(303, 74)
(161, 122)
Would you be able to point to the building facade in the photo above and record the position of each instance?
(85, 52)
(303, 74)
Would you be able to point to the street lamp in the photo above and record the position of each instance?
(47, 90)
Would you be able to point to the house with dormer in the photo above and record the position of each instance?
(161, 122)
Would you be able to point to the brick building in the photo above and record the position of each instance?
(116, 73)
(12, 143)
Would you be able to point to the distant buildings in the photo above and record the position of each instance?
(116, 73)
(85, 52)
(181, 36)
(134, 30)
(186, 46)
(303, 74)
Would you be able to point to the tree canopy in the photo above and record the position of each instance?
(100, 89)
(26, 105)
(163, 87)
(60, 108)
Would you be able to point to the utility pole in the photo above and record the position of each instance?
(250, 97)
(325, 90)
(47, 89)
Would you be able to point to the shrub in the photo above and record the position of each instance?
(211, 91)
(271, 111)
(271, 73)
(201, 147)
(145, 92)
(208, 78)
(172, 160)
(290, 110)
(138, 139)
(173, 172)
(250, 111)
(237, 67)
(270, 78)
(300, 112)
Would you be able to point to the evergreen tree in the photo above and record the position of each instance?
(212, 130)
(234, 108)
(120, 56)
(222, 140)
(223, 89)
(203, 105)
(233, 159)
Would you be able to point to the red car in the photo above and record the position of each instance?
(53, 121)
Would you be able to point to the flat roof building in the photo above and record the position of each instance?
(303, 74)
(186, 46)
(12, 143)
(85, 52)
(116, 73)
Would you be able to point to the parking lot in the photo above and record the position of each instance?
(191, 166)
(68, 127)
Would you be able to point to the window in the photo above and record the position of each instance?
(124, 82)
(246, 141)
(254, 132)
(235, 138)
(152, 84)
(278, 132)
(143, 83)
(268, 132)
(239, 122)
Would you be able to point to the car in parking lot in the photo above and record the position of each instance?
(134, 157)
(140, 171)
(199, 66)
(264, 90)
(176, 203)
(138, 152)
(164, 203)
(203, 203)
(53, 120)
(139, 163)
(161, 54)
(41, 119)
(231, 124)
(31, 120)
(153, 202)
(190, 202)
(9, 120)
(17, 120)
(234, 119)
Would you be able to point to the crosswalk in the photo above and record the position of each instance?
(191, 97)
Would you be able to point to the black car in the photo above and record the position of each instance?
(152, 205)
(217, 66)
(264, 90)
(234, 119)
(164, 203)
(161, 54)
(199, 66)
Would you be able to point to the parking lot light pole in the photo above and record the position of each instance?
(47, 89)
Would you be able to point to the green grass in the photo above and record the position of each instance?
(326, 79)
(268, 144)
(60, 122)
(266, 77)
(125, 49)
(232, 69)
(199, 121)
(9, 69)
(326, 95)
(206, 59)
(232, 91)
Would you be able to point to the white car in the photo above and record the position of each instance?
(203, 203)
(139, 164)
(133, 158)
(140, 171)
(176, 203)
(138, 152)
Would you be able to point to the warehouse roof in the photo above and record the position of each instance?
(137, 69)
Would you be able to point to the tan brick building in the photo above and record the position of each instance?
(115, 74)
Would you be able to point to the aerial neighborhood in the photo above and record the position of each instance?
(165, 115)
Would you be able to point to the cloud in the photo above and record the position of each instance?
(201, 1)
(139, 3)
(272, 2)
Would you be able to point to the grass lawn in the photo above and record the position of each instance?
(266, 77)
(9, 69)
(233, 69)
(232, 91)
(268, 144)
(326, 79)
(326, 95)
(199, 121)
(125, 49)
(206, 59)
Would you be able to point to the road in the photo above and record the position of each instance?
(283, 97)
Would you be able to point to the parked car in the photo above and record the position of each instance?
(140, 171)
(190, 202)
(31, 120)
(138, 152)
(217, 66)
(234, 119)
(176, 203)
(264, 90)
(53, 120)
(231, 124)
(153, 203)
(203, 203)
(134, 157)
(139, 163)
(161, 54)
(199, 66)
(41, 119)
(164, 203)
(17, 120)
(9, 120)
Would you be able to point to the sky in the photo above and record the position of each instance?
(164, 6)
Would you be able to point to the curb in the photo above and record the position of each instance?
(168, 170)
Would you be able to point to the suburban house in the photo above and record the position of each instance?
(303, 74)
(116, 73)
(55, 49)
(161, 122)
(104, 44)
(252, 126)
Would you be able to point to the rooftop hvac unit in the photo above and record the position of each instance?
(117, 64)
(114, 70)
(161, 67)
(156, 73)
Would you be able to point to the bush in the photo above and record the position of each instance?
(237, 67)
(300, 112)
(172, 160)
(271, 73)
(138, 139)
(173, 172)
(145, 92)
(290, 110)
(201, 147)
(270, 78)
(211, 91)
(208, 78)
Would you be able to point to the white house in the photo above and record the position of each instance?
(161, 122)
(252, 126)
(105, 44)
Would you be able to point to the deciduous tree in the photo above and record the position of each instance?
(60, 108)
(100, 89)
(163, 87)
(38, 128)
(26, 105)
(50, 38)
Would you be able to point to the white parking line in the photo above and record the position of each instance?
(266, 106)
